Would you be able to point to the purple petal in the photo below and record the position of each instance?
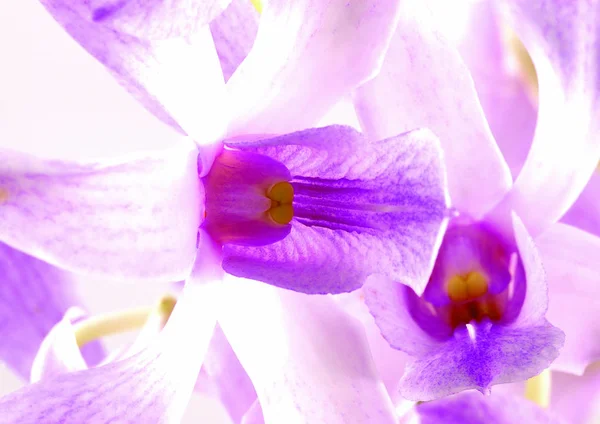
(576, 398)
(151, 386)
(411, 92)
(33, 298)
(571, 263)
(120, 219)
(561, 38)
(308, 360)
(473, 408)
(307, 55)
(383, 202)
(497, 354)
(389, 304)
(162, 53)
(503, 92)
(152, 19)
(585, 212)
(225, 376)
(234, 32)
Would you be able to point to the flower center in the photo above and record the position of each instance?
(281, 195)
(467, 287)
(477, 276)
(249, 199)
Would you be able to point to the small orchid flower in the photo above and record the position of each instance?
(480, 318)
(569, 254)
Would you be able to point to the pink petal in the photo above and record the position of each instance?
(502, 90)
(59, 352)
(308, 360)
(561, 38)
(223, 375)
(151, 386)
(577, 398)
(33, 298)
(535, 303)
(571, 262)
(424, 83)
(585, 212)
(119, 219)
(390, 362)
(159, 52)
(234, 32)
(307, 55)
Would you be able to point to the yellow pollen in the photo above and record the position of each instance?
(466, 287)
(282, 196)
(257, 5)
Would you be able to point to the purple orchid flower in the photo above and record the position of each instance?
(568, 254)
(139, 217)
(480, 320)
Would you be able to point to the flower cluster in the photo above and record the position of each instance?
(430, 255)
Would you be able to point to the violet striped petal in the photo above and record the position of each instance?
(496, 354)
(223, 375)
(160, 52)
(307, 55)
(136, 218)
(359, 209)
(411, 92)
(234, 32)
(309, 361)
(33, 298)
(571, 263)
(473, 408)
(563, 41)
(154, 385)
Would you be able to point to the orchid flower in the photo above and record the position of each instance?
(480, 319)
(567, 252)
(293, 210)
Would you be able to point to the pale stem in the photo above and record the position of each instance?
(119, 322)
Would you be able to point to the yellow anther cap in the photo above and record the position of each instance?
(282, 214)
(281, 192)
(465, 287)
